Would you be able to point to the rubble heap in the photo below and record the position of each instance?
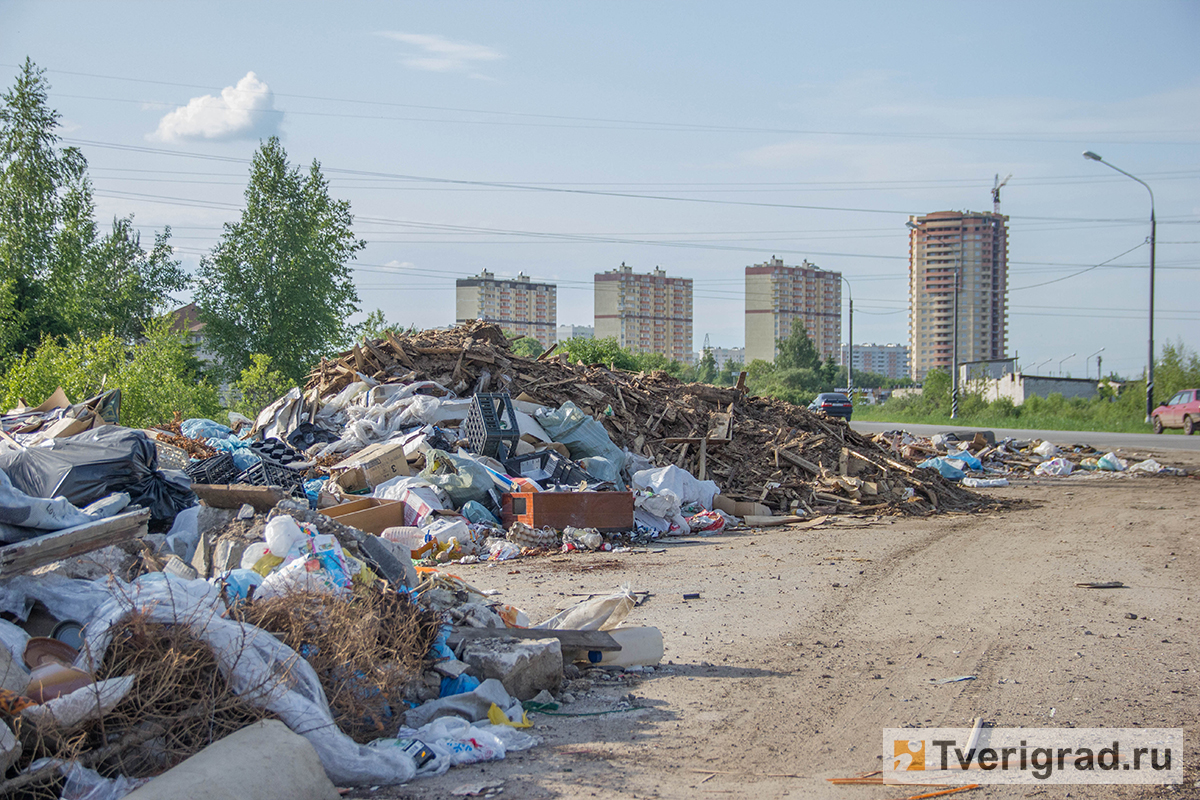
(756, 448)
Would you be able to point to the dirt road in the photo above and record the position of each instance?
(805, 644)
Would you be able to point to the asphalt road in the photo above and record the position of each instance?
(1097, 439)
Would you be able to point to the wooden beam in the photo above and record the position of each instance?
(57, 545)
(570, 639)
(799, 461)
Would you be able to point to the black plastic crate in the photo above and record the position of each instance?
(216, 469)
(265, 473)
(276, 451)
(561, 470)
(491, 425)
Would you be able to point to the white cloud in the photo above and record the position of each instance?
(244, 111)
(434, 53)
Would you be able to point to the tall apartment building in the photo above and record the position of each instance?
(975, 247)
(518, 305)
(779, 296)
(890, 360)
(647, 313)
(724, 354)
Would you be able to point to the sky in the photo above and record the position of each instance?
(563, 139)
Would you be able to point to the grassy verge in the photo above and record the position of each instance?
(1038, 421)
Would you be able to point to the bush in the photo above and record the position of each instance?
(157, 377)
(258, 386)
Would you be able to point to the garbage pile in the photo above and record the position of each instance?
(977, 460)
(757, 450)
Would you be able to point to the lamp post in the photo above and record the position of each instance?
(1060, 363)
(954, 342)
(850, 356)
(1088, 154)
(1047, 361)
(1089, 358)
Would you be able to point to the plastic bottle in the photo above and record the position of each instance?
(640, 647)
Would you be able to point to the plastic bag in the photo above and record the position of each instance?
(463, 479)
(597, 614)
(87, 784)
(679, 481)
(945, 466)
(204, 429)
(23, 516)
(583, 436)
(1046, 450)
(1054, 467)
(1110, 463)
(984, 483)
(94, 464)
(87, 702)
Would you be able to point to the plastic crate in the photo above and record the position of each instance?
(171, 457)
(555, 468)
(217, 469)
(491, 425)
(276, 451)
(265, 473)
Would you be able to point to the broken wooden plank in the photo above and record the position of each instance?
(570, 639)
(233, 495)
(799, 461)
(57, 545)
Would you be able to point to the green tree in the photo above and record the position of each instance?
(42, 187)
(56, 275)
(526, 347)
(600, 351)
(156, 376)
(258, 386)
(797, 351)
(729, 373)
(279, 281)
(706, 370)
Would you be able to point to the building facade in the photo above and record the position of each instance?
(726, 354)
(646, 313)
(518, 305)
(779, 296)
(973, 247)
(890, 360)
(576, 332)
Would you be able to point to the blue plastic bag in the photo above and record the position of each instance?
(204, 429)
(943, 466)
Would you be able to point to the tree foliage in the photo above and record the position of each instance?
(526, 347)
(157, 376)
(797, 351)
(706, 370)
(279, 281)
(258, 386)
(57, 274)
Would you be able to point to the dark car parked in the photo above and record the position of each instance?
(835, 404)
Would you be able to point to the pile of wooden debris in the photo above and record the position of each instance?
(755, 448)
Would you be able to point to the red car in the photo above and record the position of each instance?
(1181, 411)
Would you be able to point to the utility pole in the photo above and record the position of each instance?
(954, 346)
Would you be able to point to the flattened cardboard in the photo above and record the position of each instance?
(722, 503)
(372, 466)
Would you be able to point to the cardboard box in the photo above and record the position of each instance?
(604, 511)
(372, 466)
(740, 509)
(371, 514)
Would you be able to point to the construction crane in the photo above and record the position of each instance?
(999, 184)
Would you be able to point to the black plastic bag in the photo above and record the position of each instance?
(88, 466)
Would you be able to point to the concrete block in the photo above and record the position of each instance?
(265, 761)
(524, 666)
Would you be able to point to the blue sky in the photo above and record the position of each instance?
(511, 136)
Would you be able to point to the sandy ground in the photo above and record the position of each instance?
(804, 644)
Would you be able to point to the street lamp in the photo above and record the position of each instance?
(1047, 361)
(1089, 358)
(1088, 154)
(1060, 363)
(850, 358)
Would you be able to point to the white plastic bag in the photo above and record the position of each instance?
(1054, 467)
(597, 614)
(680, 481)
(87, 702)
(1046, 450)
